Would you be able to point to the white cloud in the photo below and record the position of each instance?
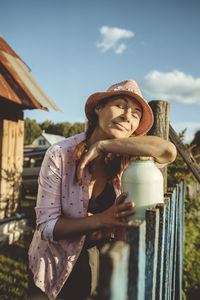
(111, 39)
(192, 128)
(121, 48)
(175, 86)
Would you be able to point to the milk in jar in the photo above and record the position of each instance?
(143, 182)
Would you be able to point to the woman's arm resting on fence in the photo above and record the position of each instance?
(163, 151)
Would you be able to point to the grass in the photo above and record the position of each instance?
(14, 261)
(14, 271)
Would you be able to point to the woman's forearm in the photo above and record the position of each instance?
(112, 217)
(163, 151)
(70, 228)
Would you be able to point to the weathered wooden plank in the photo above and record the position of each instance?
(166, 249)
(11, 169)
(1, 153)
(136, 239)
(179, 261)
(17, 181)
(113, 276)
(161, 241)
(152, 232)
(172, 236)
(19, 147)
(4, 167)
(174, 265)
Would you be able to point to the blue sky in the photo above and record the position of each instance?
(75, 48)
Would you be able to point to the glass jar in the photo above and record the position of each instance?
(143, 182)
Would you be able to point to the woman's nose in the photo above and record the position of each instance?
(126, 115)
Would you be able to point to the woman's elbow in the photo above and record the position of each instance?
(171, 152)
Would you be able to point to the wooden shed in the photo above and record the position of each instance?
(18, 91)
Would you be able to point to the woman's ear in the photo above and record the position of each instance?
(97, 109)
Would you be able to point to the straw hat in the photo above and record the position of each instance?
(131, 89)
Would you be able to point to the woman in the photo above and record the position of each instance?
(80, 205)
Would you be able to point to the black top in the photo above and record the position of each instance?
(103, 201)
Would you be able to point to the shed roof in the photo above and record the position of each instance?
(16, 83)
(52, 138)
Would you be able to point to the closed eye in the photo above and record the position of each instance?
(135, 115)
(121, 106)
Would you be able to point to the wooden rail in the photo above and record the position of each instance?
(149, 265)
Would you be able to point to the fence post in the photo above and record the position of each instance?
(113, 275)
(161, 241)
(152, 222)
(172, 242)
(136, 239)
(160, 126)
(166, 249)
(179, 252)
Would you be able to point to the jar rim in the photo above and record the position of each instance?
(142, 158)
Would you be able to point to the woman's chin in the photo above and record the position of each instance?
(116, 134)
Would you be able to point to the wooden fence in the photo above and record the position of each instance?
(149, 265)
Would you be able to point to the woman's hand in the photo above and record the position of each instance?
(115, 216)
(93, 152)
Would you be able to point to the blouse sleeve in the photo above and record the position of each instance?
(48, 208)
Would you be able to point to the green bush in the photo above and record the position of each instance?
(191, 260)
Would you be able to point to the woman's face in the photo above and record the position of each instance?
(118, 118)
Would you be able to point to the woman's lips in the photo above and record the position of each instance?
(121, 127)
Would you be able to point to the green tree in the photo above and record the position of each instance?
(45, 125)
(67, 126)
(196, 139)
(178, 170)
(76, 128)
(32, 130)
(56, 128)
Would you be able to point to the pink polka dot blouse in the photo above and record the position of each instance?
(59, 195)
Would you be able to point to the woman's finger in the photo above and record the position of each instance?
(125, 206)
(120, 198)
(124, 214)
(90, 155)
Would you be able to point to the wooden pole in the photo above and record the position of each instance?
(152, 231)
(161, 240)
(135, 237)
(160, 127)
(113, 275)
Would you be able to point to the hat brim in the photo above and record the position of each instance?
(147, 114)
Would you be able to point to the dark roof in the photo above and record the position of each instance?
(16, 83)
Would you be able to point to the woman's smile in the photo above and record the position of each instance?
(120, 126)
